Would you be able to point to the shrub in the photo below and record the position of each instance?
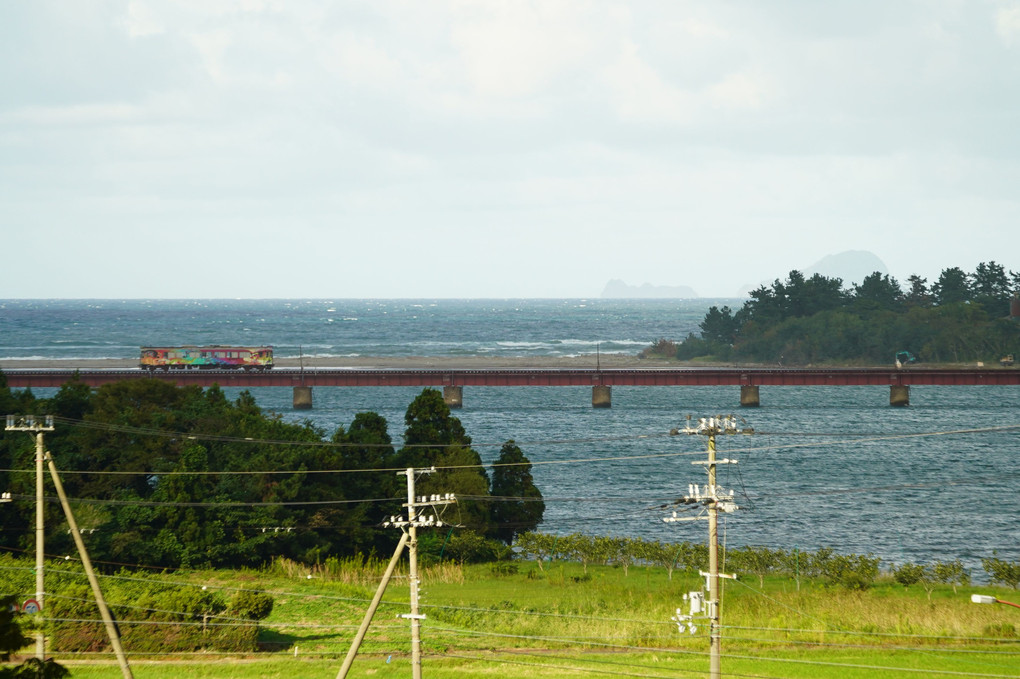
(662, 347)
(187, 618)
(1006, 572)
(251, 605)
(951, 573)
(504, 568)
(854, 571)
(909, 574)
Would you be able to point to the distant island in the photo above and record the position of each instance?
(850, 266)
(617, 289)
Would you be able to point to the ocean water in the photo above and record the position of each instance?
(827, 466)
(68, 329)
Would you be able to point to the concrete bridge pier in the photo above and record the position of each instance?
(453, 397)
(749, 396)
(302, 398)
(601, 396)
(899, 395)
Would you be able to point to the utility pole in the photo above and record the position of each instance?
(714, 500)
(409, 527)
(86, 562)
(29, 423)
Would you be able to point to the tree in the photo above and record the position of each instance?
(719, 326)
(990, 280)
(917, 295)
(797, 297)
(952, 286)
(991, 288)
(518, 506)
(429, 428)
(11, 637)
(877, 292)
(434, 437)
(816, 294)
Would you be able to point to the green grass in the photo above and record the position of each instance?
(565, 622)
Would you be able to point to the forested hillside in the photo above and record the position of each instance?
(961, 317)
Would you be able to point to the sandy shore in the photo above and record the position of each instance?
(448, 362)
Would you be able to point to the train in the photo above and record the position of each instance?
(206, 358)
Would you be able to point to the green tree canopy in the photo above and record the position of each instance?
(961, 318)
(953, 286)
(517, 502)
(434, 437)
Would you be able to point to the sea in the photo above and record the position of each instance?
(825, 466)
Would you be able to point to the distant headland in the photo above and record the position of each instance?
(851, 266)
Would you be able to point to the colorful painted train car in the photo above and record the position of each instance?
(206, 358)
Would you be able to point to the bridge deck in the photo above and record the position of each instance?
(533, 377)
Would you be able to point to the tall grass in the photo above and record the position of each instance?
(525, 622)
(359, 570)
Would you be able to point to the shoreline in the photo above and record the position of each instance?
(404, 362)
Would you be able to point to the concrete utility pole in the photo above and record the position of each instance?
(714, 500)
(409, 527)
(86, 562)
(29, 423)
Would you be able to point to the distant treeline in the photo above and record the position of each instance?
(170, 477)
(961, 317)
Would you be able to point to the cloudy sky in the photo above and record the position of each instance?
(430, 148)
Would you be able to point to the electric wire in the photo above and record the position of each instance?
(588, 640)
(852, 438)
(565, 667)
(757, 658)
(821, 644)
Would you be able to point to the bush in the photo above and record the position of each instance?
(504, 568)
(662, 347)
(909, 574)
(1006, 572)
(33, 668)
(854, 571)
(251, 605)
(951, 573)
(464, 546)
(177, 617)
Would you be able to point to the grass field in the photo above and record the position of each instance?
(565, 621)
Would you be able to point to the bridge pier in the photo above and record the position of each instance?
(601, 396)
(899, 395)
(453, 397)
(302, 398)
(749, 396)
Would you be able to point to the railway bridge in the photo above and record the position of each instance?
(601, 381)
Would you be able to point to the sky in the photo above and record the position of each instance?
(434, 149)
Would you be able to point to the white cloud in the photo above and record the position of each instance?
(516, 49)
(141, 21)
(1007, 24)
(640, 94)
(591, 139)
